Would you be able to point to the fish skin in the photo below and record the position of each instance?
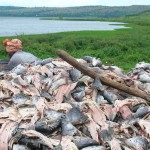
(57, 84)
(64, 91)
(31, 133)
(75, 74)
(136, 107)
(59, 147)
(145, 126)
(110, 111)
(131, 102)
(50, 66)
(76, 117)
(145, 78)
(100, 99)
(4, 95)
(28, 79)
(61, 63)
(59, 106)
(67, 144)
(4, 84)
(78, 96)
(44, 147)
(20, 69)
(36, 81)
(88, 90)
(46, 72)
(6, 133)
(37, 62)
(126, 124)
(126, 148)
(30, 142)
(97, 114)
(80, 105)
(125, 95)
(86, 80)
(82, 142)
(53, 115)
(40, 143)
(20, 147)
(97, 69)
(101, 119)
(18, 80)
(147, 87)
(137, 142)
(79, 87)
(98, 85)
(96, 62)
(115, 144)
(87, 58)
(67, 129)
(110, 96)
(40, 104)
(45, 126)
(84, 129)
(46, 83)
(94, 148)
(30, 90)
(141, 112)
(46, 95)
(46, 61)
(125, 112)
(79, 92)
(142, 65)
(20, 98)
(116, 69)
(106, 134)
(93, 128)
(93, 95)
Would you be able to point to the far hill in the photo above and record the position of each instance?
(83, 11)
(144, 16)
(140, 19)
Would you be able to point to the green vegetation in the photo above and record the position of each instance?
(140, 19)
(83, 11)
(123, 47)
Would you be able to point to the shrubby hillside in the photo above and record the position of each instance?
(84, 11)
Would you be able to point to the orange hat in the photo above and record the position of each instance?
(5, 42)
(13, 45)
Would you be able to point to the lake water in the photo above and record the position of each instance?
(28, 25)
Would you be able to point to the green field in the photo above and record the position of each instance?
(122, 47)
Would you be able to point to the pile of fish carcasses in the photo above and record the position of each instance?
(49, 105)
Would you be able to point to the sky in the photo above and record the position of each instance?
(68, 3)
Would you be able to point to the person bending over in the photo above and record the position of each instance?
(16, 54)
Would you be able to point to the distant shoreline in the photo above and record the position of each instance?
(80, 11)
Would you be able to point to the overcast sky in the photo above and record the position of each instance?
(66, 3)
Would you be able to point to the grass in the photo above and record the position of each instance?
(122, 47)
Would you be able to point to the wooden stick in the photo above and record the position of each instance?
(85, 70)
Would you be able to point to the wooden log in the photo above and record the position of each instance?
(85, 70)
